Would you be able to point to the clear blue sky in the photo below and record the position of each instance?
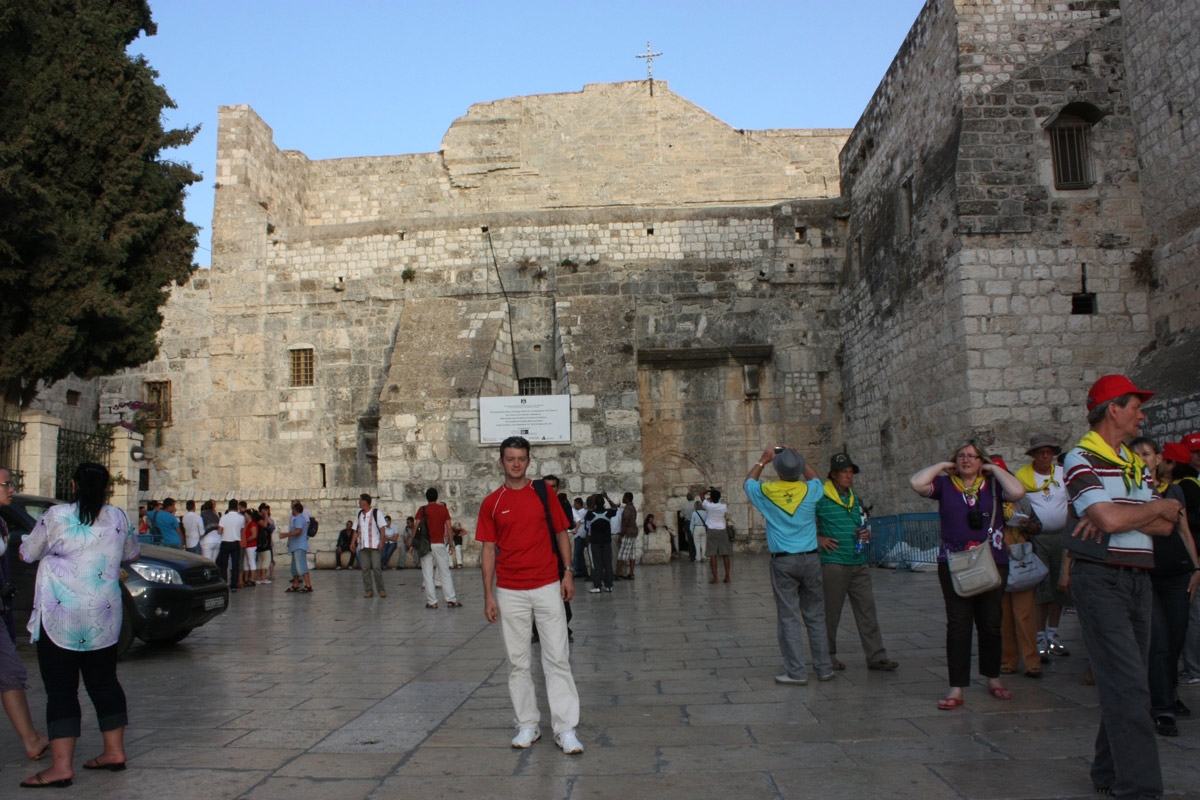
(369, 77)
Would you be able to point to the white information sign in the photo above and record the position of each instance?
(539, 418)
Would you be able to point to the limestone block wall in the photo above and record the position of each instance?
(609, 145)
(258, 186)
(1005, 176)
(1162, 41)
(1030, 360)
(616, 144)
(73, 400)
(958, 317)
(1028, 247)
(999, 39)
(401, 360)
(901, 309)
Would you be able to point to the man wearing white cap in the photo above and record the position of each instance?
(1047, 493)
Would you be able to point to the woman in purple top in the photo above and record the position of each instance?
(971, 492)
(76, 620)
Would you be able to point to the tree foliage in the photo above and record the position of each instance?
(92, 232)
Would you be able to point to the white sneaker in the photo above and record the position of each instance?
(594, 590)
(568, 742)
(525, 738)
(788, 680)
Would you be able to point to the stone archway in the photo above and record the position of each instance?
(666, 481)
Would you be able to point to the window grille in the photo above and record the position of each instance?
(530, 386)
(158, 401)
(1071, 152)
(11, 434)
(75, 447)
(302, 367)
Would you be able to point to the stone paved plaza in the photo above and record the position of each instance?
(331, 695)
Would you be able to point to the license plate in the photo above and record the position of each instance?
(214, 602)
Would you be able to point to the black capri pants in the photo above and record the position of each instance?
(61, 670)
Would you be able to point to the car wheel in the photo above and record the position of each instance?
(125, 639)
(174, 638)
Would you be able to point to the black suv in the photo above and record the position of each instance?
(167, 592)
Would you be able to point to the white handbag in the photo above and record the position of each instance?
(973, 571)
(1025, 569)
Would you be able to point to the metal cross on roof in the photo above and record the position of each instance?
(649, 56)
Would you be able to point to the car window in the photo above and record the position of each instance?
(34, 508)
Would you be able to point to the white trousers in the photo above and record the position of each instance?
(518, 611)
(439, 556)
(700, 537)
(210, 543)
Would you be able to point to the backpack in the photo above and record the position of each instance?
(312, 527)
(421, 538)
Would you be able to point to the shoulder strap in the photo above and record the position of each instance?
(539, 486)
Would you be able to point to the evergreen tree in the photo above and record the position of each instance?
(92, 232)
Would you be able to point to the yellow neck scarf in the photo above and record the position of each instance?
(973, 492)
(1028, 479)
(1132, 467)
(788, 495)
(832, 493)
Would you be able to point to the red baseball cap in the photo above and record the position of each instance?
(1110, 387)
(1174, 451)
(1191, 441)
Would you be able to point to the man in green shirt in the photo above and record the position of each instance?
(840, 521)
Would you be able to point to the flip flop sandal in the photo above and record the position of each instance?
(951, 703)
(1000, 693)
(38, 782)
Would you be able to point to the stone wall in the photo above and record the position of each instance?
(1162, 52)
(416, 306)
(999, 39)
(701, 291)
(610, 145)
(958, 319)
(1028, 247)
(901, 304)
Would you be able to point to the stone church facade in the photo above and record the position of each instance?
(946, 269)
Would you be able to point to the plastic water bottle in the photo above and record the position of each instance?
(860, 538)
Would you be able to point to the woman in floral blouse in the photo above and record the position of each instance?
(76, 620)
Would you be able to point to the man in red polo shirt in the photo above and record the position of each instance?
(518, 558)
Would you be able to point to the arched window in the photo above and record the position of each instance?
(1070, 133)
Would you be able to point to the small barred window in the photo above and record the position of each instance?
(528, 386)
(158, 402)
(302, 367)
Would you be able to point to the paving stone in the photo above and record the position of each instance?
(658, 719)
